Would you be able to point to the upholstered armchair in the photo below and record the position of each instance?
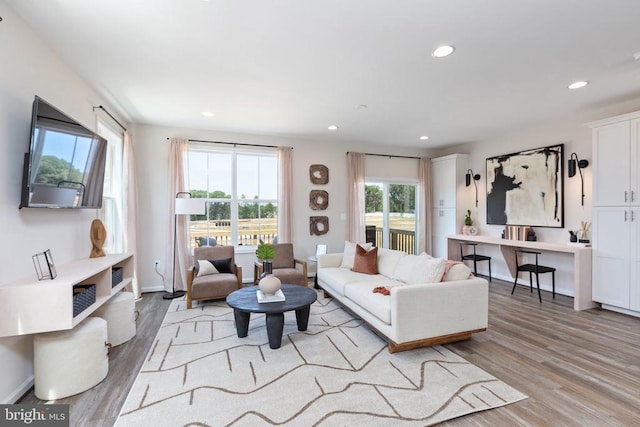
(285, 266)
(214, 274)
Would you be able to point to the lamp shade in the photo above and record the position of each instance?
(189, 206)
(571, 169)
(467, 179)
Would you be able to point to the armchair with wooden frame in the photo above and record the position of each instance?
(226, 278)
(284, 266)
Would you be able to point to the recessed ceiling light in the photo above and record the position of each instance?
(443, 51)
(362, 107)
(578, 84)
(332, 127)
(424, 137)
(208, 114)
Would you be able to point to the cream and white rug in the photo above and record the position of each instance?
(337, 373)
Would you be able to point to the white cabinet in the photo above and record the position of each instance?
(31, 306)
(616, 162)
(616, 213)
(450, 199)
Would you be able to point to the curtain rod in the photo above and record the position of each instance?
(390, 155)
(235, 144)
(112, 118)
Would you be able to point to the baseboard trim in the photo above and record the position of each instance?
(22, 389)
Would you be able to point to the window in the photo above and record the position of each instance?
(113, 194)
(241, 188)
(390, 213)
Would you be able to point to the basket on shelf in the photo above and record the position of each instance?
(83, 297)
(116, 276)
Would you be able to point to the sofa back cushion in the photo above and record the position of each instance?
(427, 270)
(349, 253)
(365, 261)
(387, 261)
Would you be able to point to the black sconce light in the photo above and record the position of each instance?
(467, 181)
(580, 164)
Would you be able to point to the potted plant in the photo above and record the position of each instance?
(468, 222)
(265, 253)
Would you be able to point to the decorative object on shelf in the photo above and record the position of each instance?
(319, 174)
(98, 235)
(573, 236)
(571, 170)
(83, 297)
(318, 225)
(584, 232)
(531, 180)
(467, 181)
(43, 263)
(468, 222)
(265, 253)
(269, 285)
(183, 206)
(515, 232)
(531, 235)
(318, 200)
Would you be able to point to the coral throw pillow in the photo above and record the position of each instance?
(365, 262)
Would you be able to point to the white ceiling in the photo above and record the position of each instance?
(293, 67)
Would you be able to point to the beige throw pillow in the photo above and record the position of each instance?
(206, 267)
(349, 253)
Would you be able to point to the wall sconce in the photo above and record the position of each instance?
(573, 162)
(467, 181)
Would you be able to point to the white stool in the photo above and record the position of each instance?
(70, 362)
(119, 312)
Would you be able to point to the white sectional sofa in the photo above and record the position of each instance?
(420, 310)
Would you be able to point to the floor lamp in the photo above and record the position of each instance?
(183, 206)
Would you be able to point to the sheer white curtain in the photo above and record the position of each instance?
(177, 183)
(355, 197)
(285, 185)
(130, 207)
(424, 202)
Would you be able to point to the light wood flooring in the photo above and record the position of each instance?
(579, 368)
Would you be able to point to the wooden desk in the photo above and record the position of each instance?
(581, 261)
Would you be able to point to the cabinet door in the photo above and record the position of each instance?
(634, 280)
(611, 163)
(444, 224)
(611, 249)
(634, 169)
(443, 175)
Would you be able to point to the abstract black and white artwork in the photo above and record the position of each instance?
(526, 188)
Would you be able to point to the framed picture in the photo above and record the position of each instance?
(321, 250)
(526, 188)
(43, 263)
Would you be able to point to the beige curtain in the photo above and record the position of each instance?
(177, 183)
(355, 197)
(424, 202)
(130, 208)
(285, 188)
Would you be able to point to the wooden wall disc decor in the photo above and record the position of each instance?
(318, 225)
(319, 174)
(98, 236)
(318, 200)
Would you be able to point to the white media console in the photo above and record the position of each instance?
(31, 306)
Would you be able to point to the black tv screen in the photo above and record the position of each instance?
(65, 165)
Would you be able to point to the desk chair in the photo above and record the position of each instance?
(474, 257)
(534, 268)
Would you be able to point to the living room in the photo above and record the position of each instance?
(31, 67)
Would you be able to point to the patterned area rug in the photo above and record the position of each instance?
(337, 373)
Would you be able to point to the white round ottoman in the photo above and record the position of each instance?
(70, 362)
(119, 312)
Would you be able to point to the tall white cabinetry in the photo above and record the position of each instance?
(448, 201)
(616, 213)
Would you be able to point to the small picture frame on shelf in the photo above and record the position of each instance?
(43, 263)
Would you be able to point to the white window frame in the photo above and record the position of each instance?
(112, 198)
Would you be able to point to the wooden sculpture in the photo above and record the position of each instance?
(98, 235)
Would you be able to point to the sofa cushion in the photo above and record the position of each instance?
(290, 276)
(365, 261)
(336, 278)
(349, 253)
(404, 268)
(427, 270)
(214, 286)
(375, 303)
(206, 267)
(456, 271)
(387, 261)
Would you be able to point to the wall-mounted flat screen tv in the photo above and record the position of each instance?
(65, 165)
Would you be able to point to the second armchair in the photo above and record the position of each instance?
(285, 267)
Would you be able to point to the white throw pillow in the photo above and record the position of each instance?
(387, 261)
(206, 267)
(457, 271)
(427, 270)
(404, 268)
(349, 253)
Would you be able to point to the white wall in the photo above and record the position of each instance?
(29, 68)
(152, 149)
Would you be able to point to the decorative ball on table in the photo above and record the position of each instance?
(98, 236)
